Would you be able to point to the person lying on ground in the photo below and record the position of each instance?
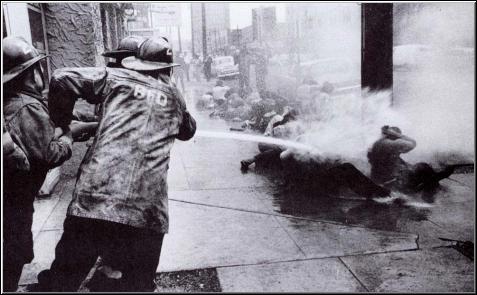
(206, 101)
(277, 127)
(329, 176)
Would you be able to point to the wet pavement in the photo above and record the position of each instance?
(252, 234)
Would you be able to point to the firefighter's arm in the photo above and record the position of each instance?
(187, 128)
(69, 84)
(13, 155)
(36, 131)
(188, 125)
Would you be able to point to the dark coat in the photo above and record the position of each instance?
(28, 122)
(123, 176)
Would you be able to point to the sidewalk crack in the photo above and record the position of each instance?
(290, 236)
(353, 274)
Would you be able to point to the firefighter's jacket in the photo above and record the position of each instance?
(123, 176)
(28, 123)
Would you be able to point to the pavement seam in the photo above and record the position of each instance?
(438, 225)
(224, 188)
(299, 260)
(354, 275)
(51, 229)
(286, 216)
(185, 171)
(459, 182)
(62, 191)
(290, 236)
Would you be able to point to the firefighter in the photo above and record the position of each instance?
(27, 121)
(119, 206)
(128, 46)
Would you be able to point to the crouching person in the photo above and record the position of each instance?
(119, 209)
(390, 170)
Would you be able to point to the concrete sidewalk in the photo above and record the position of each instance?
(236, 232)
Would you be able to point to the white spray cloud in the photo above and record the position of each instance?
(432, 98)
(434, 81)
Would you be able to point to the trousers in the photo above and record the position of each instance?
(17, 237)
(132, 251)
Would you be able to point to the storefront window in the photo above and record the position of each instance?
(38, 37)
(36, 27)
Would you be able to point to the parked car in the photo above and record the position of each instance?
(223, 66)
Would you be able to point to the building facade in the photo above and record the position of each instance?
(210, 23)
(157, 19)
(325, 29)
(264, 23)
(73, 34)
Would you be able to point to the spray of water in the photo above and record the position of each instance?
(434, 87)
(256, 138)
(432, 99)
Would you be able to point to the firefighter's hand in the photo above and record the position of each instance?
(83, 131)
(58, 132)
(66, 137)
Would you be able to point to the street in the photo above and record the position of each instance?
(238, 147)
(232, 231)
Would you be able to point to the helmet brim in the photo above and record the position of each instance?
(16, 71)
(136, 64)
(118, 53)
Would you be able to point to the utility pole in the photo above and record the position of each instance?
(239, 37)
(192, 28)
(204, 36)
(151, 25)
(215, 39)
(298, 66)
(377, 46)
(179, 36)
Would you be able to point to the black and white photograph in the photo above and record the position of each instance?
(233, 147)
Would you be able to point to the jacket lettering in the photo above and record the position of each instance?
(151, 95)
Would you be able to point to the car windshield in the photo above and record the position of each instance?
(224, 60)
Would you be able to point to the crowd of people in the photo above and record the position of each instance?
(271, 114)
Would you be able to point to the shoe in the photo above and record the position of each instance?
(244, 165)
(448, 171)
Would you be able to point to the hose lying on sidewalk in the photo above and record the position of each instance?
(466, 248)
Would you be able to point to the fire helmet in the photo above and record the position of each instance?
(18, 56)
(154, 54)
(127, 47)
